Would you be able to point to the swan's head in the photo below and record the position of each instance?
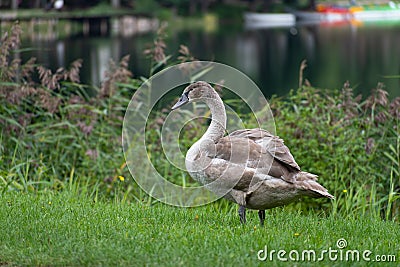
(195, 92)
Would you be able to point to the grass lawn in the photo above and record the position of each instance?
(66, 229)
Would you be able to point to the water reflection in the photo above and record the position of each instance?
(271, 57)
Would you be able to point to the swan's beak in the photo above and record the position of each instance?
(182, 101)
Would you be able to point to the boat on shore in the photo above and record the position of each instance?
(326, 13)
(264, 20)
(315, 16)
(334, 13)
(391, 11)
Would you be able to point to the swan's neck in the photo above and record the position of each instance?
(216, 130)
(207, 142)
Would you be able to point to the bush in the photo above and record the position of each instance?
(352, 145)
(56, 129)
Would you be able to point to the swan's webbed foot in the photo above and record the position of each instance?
(242, 214)
(261, 215)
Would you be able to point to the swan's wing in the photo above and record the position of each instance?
(237, 159)
(271, 143)
(259, 150)
(238, 150)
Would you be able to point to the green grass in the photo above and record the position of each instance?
(70, 229)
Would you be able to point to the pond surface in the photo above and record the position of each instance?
(361, 54)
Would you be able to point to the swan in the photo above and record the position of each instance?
(250, 167)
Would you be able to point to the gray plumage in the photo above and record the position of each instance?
(250, 167)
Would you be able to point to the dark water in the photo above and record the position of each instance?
(364, 55)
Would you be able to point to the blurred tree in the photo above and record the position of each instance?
(187, 7)
(14, 4)
(146, 6)
(115, 3)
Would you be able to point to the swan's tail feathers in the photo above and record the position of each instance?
(318, 194)
(308, 182)
(306, 176)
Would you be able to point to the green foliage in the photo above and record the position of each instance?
(58, 135)
(229, 12)
(147, 6)
(351, 144)
(57, 130)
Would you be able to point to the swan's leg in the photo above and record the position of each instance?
(261, 215)
(242, 214)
